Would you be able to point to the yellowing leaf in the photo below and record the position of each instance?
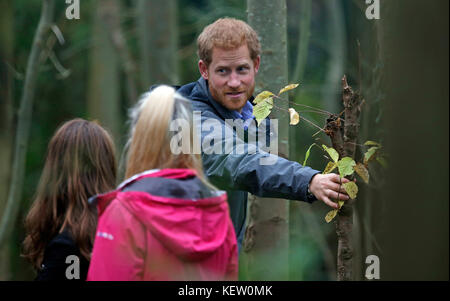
(341, 203)
(371, 143)
(362, 171)
(287, 88)
(261, 96)
(369, 155)
(351, 189)
(263, 109)
(295, 118)
(307, 154)
(329, 168)
(332, 152)
(345, 166)
(330, 215)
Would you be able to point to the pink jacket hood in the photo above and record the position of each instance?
(180, 211)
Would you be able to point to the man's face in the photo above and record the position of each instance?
(231, 76)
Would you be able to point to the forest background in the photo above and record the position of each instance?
(398, 62)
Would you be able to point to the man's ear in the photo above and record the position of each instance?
(203, 68)
(256, 63)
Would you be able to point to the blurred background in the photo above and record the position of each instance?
(95, 67)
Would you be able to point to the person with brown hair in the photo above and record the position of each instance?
(165, 221)
(80, 163)
(229, 60)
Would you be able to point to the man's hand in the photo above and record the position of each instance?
(326, 187)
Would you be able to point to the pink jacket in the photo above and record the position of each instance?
(164, 225)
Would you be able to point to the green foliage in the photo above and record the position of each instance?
(332, 152)
(263, 109)
(345, 166)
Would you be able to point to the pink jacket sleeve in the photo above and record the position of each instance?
(119, 247)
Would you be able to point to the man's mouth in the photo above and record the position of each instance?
(234, 94)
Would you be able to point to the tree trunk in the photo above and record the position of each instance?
(158, 36)
(416, 236)
(337, 41)
(6, 119)
(267, 237)
(344, 137)
(303, 41)
(104, 84)
(24, 122)
(110, 16)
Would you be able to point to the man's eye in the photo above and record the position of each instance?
(242, 69)
(221, 71)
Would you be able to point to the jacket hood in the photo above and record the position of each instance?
(186, 216)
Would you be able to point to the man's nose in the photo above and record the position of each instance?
(234, 81)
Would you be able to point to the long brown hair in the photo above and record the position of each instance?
(80, 163)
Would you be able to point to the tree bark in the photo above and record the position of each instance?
(267, 237)
(110, 15)
(415, 238)
(24, 121)
(104, 84)
(345, 145)
(6, 119)
(303, 41)
(158, 36)
(337, 41)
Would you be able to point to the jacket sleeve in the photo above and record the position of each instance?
(119, 247)
(258, 172)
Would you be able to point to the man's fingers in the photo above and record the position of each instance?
(336, 195)
(330, 203)
(337, 187)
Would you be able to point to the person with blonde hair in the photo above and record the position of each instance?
(165, 221)
(80, 163)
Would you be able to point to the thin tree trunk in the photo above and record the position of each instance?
(344, 138)
(110, 15)
(24, 121)
(267, 237)
(158, 36)
(336, 52)
(6, 120)
(104, 84)
(303, 40)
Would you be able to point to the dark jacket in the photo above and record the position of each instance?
(239, 174)
(54, 264)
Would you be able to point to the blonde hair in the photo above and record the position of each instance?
(227, 33)
(149, 143)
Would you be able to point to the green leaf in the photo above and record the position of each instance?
(307, 154)
(287, 88)
(332, 152)
(372, 143)
(362, 171)
(351, 188)
(263, 109)
(261, 96)
(295, 118)
(345, 166)
(369, 155)
(341, 203)
(382, 161)
(330, 215)
(329, 168)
